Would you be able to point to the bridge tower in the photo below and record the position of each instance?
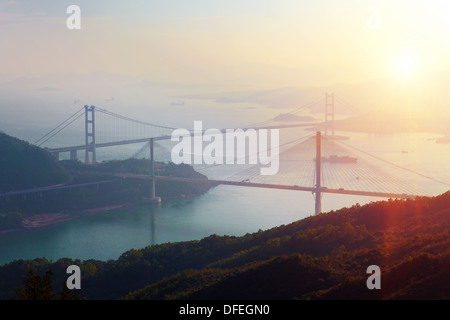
(318, 187)
(153, 197)
(329, 113)
(89, 113)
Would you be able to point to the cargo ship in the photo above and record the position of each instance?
(443, 140)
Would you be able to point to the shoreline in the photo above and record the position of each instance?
(40, 221)
(44, 220)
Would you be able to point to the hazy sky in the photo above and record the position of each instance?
(261, 43)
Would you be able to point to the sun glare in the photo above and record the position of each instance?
(406, 64)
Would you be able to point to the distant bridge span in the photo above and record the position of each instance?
(267, 186)
(73, 149)
(91, 145)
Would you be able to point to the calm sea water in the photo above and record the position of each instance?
(224, 210)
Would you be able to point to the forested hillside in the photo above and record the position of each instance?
(323, 257)
(24, 166)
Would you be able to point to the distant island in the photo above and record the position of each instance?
(290, 117)
(373, 111)
(27, 167)
(443, 140)
(387, 123)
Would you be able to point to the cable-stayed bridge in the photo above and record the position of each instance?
(319, 162)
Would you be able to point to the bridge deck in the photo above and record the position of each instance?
(213, 182)
(166, 137)
(271, 186)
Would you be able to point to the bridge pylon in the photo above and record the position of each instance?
(329, 113)
(89, 113)
(153, 198)
(318, 187)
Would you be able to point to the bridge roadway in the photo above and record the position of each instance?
(168, 137)
(53, 188)
(212, 182)
(269, 186)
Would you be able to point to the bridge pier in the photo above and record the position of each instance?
(73, 155)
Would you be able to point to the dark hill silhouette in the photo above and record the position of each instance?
(24, 166)
(322, 257)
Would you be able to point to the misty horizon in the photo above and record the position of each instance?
(255, 58)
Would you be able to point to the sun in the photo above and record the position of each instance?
(406, 64)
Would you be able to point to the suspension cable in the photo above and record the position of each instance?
(395, 165)
(133, 120)
(270, 149)
(54, 134)
(57, 127)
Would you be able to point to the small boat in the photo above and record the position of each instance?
(339, 159)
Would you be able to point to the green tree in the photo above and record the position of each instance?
(36, 287)
(67, 294)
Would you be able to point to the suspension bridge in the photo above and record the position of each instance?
(318, 162)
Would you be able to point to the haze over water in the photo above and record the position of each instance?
(224, 210)
(228, 64)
